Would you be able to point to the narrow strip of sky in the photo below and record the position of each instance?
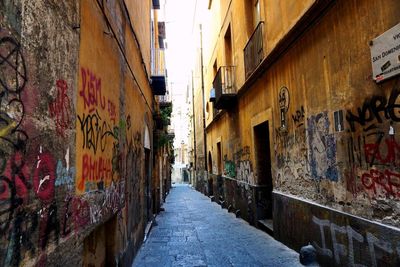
(179, 24)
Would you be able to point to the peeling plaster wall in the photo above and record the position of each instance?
(72, 133)
(353, 169)
(318, 169)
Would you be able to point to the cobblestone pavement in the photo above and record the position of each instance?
(193, 231)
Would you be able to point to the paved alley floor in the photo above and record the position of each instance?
(193, 231)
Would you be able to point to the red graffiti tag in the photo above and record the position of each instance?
(95, 169)
(388, 180)
(76, 213)
(91, 91)
(374, 153)
(44, 177)
(81, 212)
(60, 109)
(17, 173)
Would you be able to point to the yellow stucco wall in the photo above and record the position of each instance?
(97, 103)
(114, 107)
(280, 17)
(76, 105)
(327, 69)
(139, 12)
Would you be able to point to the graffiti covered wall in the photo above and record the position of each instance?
(335, 140)
(338, 152)
(373, 150)
(97, 133)
(339, 239)
(339, 147)
(37, 84)
(132, 161)
(70, 134)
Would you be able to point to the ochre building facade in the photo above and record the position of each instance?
(300, 139)
(77, 146)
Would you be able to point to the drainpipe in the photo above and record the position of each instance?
(202, 91)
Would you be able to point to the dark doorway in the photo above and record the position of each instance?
(209, 162)
(210, 179)
(99, 247)
(147, 167)
(264, 189)
(219, 158)
(220, 183)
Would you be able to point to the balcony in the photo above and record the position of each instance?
(158, 85)
(158, 79)
(156, 4)
(253, 51)
(170, 134)
(164, 100)
(225, 87)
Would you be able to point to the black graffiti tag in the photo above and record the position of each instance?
(12, 66)
(95, 132)
(375, 109)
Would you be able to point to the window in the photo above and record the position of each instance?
(228, 46)
(252, 14)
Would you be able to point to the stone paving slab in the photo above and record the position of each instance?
(195, 232)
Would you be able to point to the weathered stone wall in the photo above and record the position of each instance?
(75, 108)
(39, 60)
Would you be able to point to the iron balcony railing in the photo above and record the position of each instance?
(164, 99)
(225, 86)
(253, 51)
(158, 71)
(224, 81)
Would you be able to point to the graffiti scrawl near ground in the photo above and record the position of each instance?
(344, 253)
(291, 149)
(244, 167)
(229, 167)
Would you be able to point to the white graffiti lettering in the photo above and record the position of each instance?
(341, 249)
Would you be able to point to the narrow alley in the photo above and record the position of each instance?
(280, 116)
(193, 231)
